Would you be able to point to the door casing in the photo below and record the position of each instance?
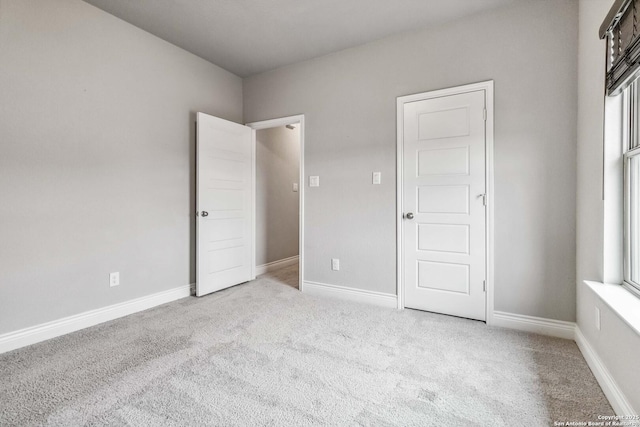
(267, 124)
(487, 86)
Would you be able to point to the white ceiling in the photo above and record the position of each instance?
(247, 37)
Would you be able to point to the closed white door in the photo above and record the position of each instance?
(444, 228)
(224, 203)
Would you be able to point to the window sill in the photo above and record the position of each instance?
(621, 301)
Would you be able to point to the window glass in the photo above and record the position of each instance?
(633, 217)
(631, 132)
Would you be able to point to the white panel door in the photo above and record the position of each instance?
(444, 227)
(224, 203)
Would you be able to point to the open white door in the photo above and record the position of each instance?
(224, 204)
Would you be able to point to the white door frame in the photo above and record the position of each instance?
(487, 86)
(267, 124)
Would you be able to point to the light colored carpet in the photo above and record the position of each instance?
(286, 275)
(263, 353)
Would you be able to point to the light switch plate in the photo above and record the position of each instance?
(295, 187)
(335, 264)
(314, 181)
(377, 178)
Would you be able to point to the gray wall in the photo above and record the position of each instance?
(616, 341)
(97, 159)
(277, 205)
(590, 208)
(349, 102)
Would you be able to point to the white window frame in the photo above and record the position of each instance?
(631, 150)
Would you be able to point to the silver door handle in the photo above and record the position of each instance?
(409, 215)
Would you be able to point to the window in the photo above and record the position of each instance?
(631, 197)
(621, 30)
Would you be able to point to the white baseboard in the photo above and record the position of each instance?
(351, 294)
(55, 328)
(274, 265)
(539, 325)
(616, 397)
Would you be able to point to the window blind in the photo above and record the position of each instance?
(621, 29)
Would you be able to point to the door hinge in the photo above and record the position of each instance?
(484, 199)
(484, 286)
(484, 114)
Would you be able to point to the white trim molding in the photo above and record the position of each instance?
(274, 265)
(538, 325)
(488, 88)
(616, 397)
(620, 300)
(66, 325)
(267, 124)
(351, 294)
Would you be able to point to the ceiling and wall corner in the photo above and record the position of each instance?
(97, 172)
(349, 100)
(249, 37)
(113, 138)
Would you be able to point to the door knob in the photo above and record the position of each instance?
(205, 213)
(409, 215)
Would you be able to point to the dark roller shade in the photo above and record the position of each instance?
(621, 29)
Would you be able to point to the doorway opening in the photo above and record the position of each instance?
(279, 199)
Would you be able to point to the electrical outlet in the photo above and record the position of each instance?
(314, 181)
(295, 187)
(114, 279)
(598, 318)
(335, 264)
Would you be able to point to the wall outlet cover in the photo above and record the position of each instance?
(114, 279)
(295, 187)
(335, 264)
(314, 181)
